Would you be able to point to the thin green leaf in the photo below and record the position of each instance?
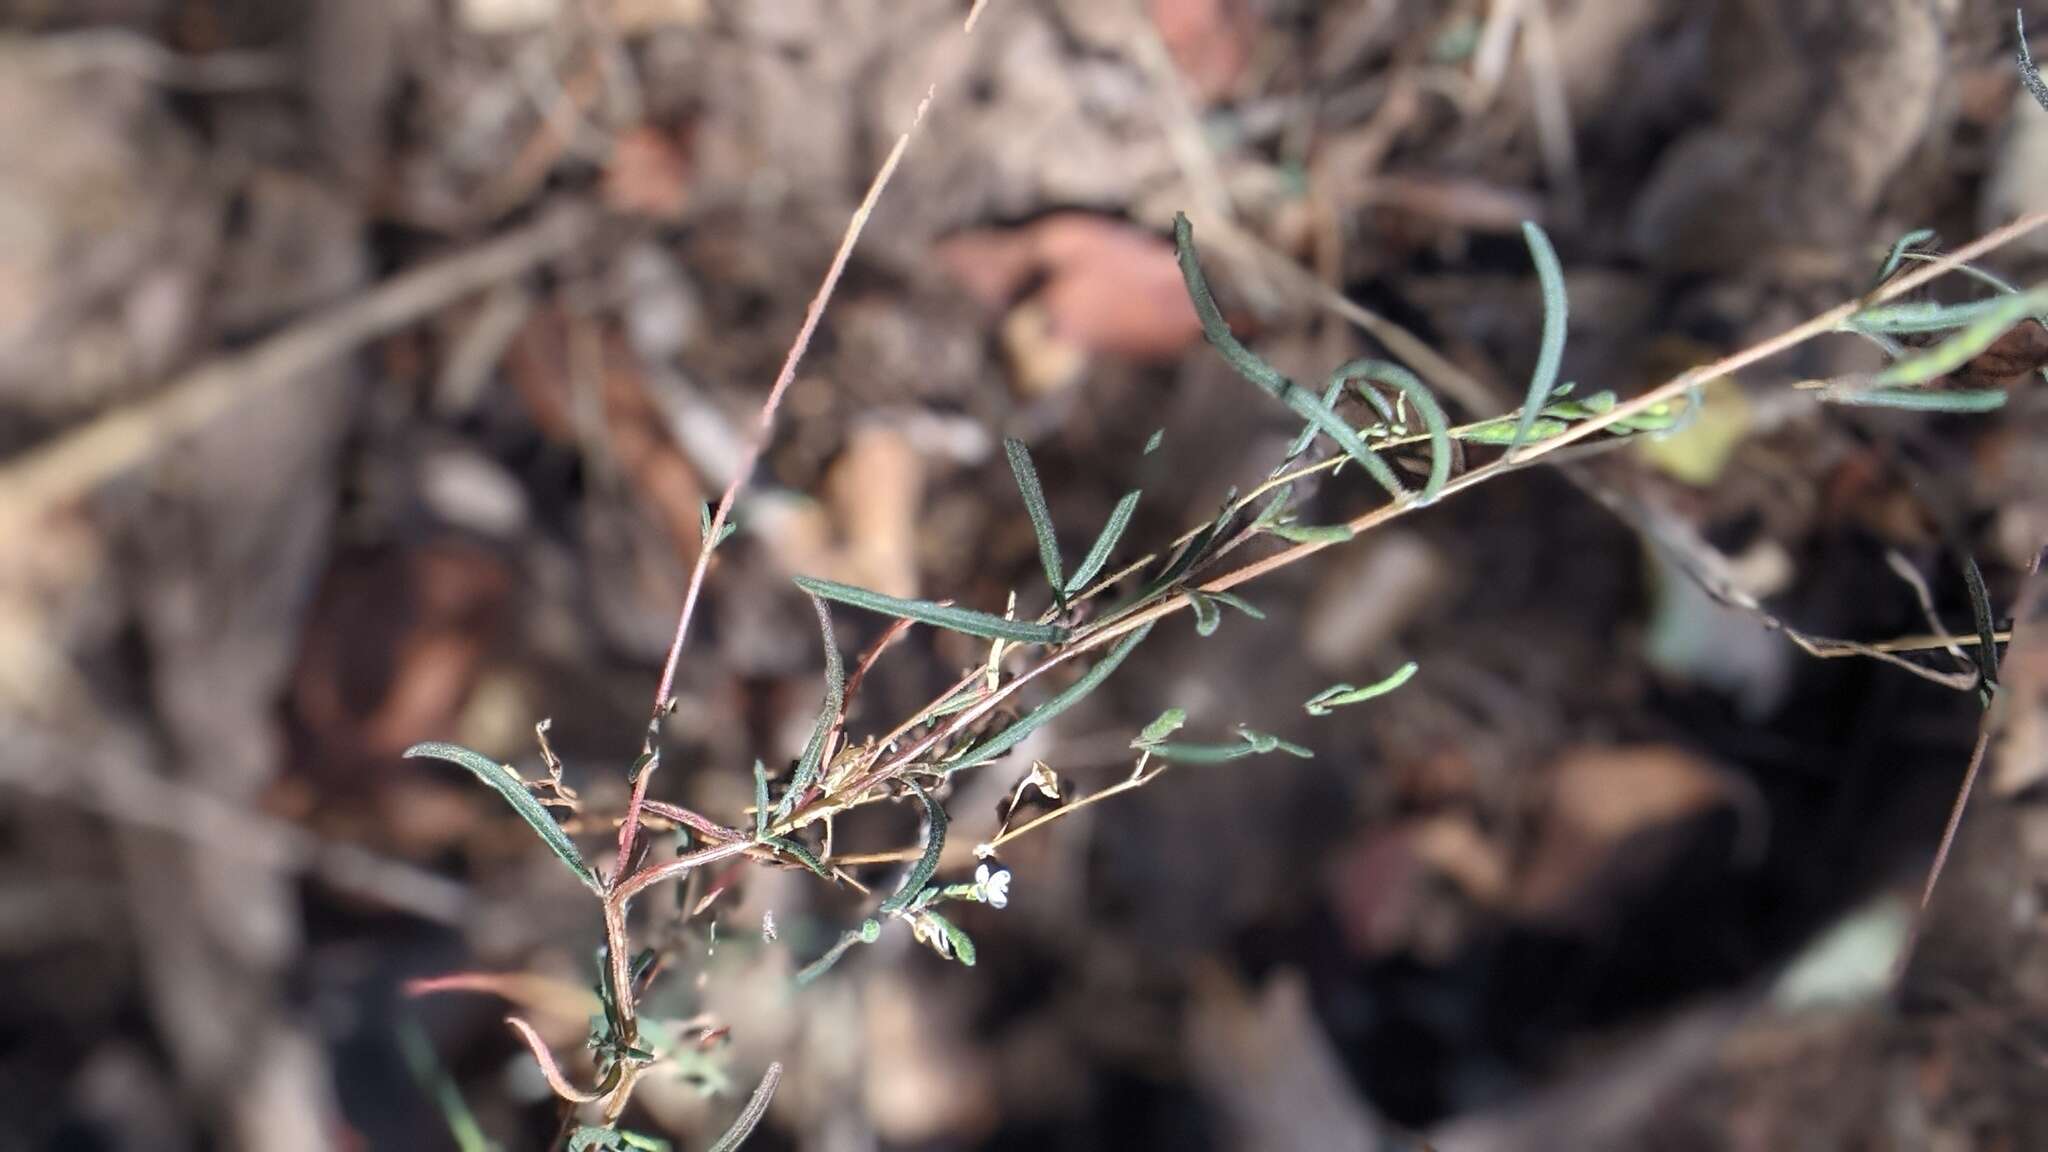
(1169, 722)
(927, 863)
(1556, 317)
(1238, 602)
(1906, 243)
(1267, 378)
(1409, 385)
(1105, 544)
(812, 763)
(1197, 549)
(1152, 444)
(507, 783)
(1338, 695)
(1014, 735)
(1965, 346)
(800, 854)
(1986, 621)
(1500, 433)
(1919, 316)
(1207, 615)
(1251, 744)
(867, 933)
(2029, 75)
(1916, 399)
(760, 801)
(1041, 516)
(725, 531)
(750, 1116)
(961, 944)
(1312, 533)
(964, 620)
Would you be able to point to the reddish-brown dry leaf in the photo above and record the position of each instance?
(648, 175)
(1107, 287)
(1210, 41)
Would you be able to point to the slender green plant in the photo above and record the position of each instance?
(1095, 624)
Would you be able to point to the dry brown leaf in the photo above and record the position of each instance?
(1108, 287)
(648, 175)
(1602, 798)
(1210, 41)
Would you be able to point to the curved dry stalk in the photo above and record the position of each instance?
(553, 1071)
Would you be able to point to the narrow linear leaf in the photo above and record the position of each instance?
(433, 1079)
(1916, 399)
(1907, 243)
(1251, 744)
(508, 785)
(1169, 722)
(1338, 695)
(800, 854)
(1207, 615)
(1041, 516)
(1921, 316)
(927, 863)
(961, 943)
(1263, 375)
(1238, 602)
(1105, 544)
(760, 801)
(1986, 621)
(1409, 385)
(1197, 549)
(725, 530)
(1964, 346)
(1152, 445)
(813, 761)
(2030, 75)
(1501, 433)
(963, 620)
(867, 933)
(1312, 533)
(1556, 317)
(750, 1116)
(1014, 735)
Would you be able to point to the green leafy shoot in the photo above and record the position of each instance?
(813, 761)
(2030, 75)
(944, 936)
(1433, 421)
(593, 1138)
(1267, 378)
(1915, 399)
(1044, 714)
(1338, 695)
(1169, 722)
(1250, 744)
(1105, 545)
(1152, 444)
(927, 862)
(506, 783)
(1986, 621)
(725, 531)
(1041, 516)
(802, 855)
(1966, 345)
(869, 932)
(1915, 317)
(1556, 317)
(1312, 533)
(1906, 244)
(963, 620)
(760, 801)
(750, 1116)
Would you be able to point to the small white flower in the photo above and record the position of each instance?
(992, 885)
